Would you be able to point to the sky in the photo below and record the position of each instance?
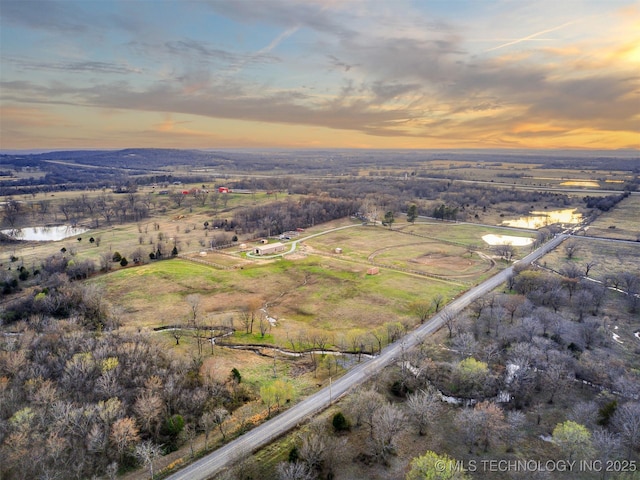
(534, 74)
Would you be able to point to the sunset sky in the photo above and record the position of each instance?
(320, 74)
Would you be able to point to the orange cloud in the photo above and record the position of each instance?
(16, 116)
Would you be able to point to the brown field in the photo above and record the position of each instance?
(622, 222)
(607, 257)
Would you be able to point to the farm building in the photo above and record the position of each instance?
(223, 190)
(270, 249)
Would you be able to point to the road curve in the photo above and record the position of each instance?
(264, 434)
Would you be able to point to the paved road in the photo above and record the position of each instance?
(213, 463)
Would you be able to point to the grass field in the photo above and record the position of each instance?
(310, 294)
(607, 257)
(453, 251)
(622, 222)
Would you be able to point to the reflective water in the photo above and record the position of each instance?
(580, 183)
(44, 234)
(492, 239)
(542, 219)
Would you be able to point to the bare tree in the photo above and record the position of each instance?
(362, 407)
(466, 344)
(294, 471)
(11, 212)
(483, 424)
(146, 452)
(219, 416)
(571, 247)
(584, 413)
(112, 471)
(264, 325)
(248, 313)
(389, 421)
(189, 433)
(555, 376)
(607, 446)
(313, 446)
(590, 332)
(124, 434)
(630, 282)
(201, 196)
(422, 310)
(449, 320)
(106, 260)
(178, 198)
(513, 431)
(423, 406)
(148, 407)
(626, 421)
(177, 333)
(512, 304)
(193, 301)
(506, 251)
(437, 302)
(588, 266)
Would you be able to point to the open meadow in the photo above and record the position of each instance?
(622, 222)
(604, 257)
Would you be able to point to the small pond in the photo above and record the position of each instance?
(542, 219)
(44, 234)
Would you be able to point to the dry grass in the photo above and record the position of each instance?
(607, 257)
(622, 222)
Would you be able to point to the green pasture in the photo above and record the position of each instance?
(463, 234)
(311, 294)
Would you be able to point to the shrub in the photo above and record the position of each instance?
(340, 423)
(606, 413)
(170, 432)
(294, 455)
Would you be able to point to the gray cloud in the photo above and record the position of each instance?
(44, 14)
(77, 66)
(64, 17)
(287, 13)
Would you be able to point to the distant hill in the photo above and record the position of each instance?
(100, 168)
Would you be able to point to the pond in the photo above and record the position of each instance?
(492, 239)
(541, 219)
(580, 183)
(44, 234)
